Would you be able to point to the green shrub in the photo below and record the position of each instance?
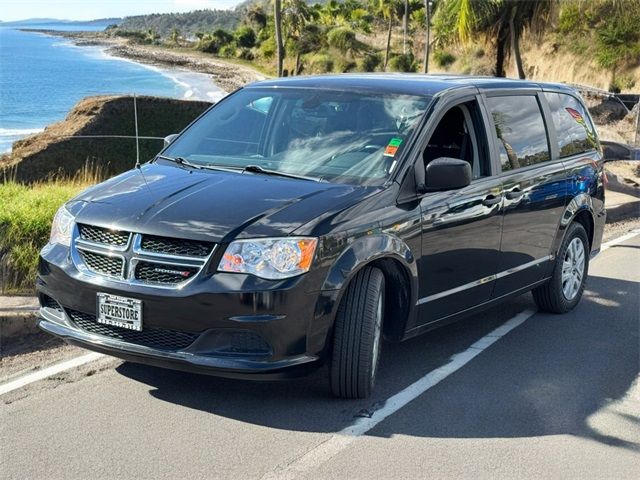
(369, 62)
(343, 39)
(245, 54)
(319, 63)
(267, 48)
(228, 51)
(443, 59)
(245, 37)
(403, 63)
(26, 213)
(343, 65)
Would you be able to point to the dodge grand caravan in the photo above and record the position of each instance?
(299, 221)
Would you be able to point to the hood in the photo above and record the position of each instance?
(167, 200)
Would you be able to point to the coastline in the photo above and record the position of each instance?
(226, 76)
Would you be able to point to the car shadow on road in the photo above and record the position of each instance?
(553, 375)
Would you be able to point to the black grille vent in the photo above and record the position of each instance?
(96, 262)
(48, 302)
(176, 246)
(163, 274)
(103, 235)
(156, 338)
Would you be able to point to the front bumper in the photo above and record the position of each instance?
(291, 321)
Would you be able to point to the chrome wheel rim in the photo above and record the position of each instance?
(377, 327)
(573, 269)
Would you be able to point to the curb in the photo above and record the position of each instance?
(623, 211)
(16, 324)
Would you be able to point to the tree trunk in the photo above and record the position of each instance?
(386, 55)
(298, 66)
(500, 52)
(515, 45)
(427, 35)
(277, 14)
(405, 26)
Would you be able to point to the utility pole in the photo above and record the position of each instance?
(427, 6)
(277, 15)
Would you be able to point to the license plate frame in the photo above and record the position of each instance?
(119, 311)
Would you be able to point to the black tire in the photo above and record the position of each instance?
(551, 297)
(357, 336)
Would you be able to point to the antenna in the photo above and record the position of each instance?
(135, 120)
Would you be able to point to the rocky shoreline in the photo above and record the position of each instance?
(226, 75)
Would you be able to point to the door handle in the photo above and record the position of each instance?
(514, 194)
(491, 200)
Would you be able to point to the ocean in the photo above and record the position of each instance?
(42, 77)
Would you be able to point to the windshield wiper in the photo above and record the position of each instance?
(265, 171)
(180, 161)
(198, 166)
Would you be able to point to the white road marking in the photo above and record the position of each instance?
(48, 371)
(341, 440)
(619, 240)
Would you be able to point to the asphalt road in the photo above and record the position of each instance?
(556, 397)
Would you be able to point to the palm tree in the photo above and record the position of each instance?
(389, 11)
(175, 36)
(277, 15)
(498, 21)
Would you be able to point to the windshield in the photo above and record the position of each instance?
(333, 136)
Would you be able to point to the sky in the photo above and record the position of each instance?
(11, 10)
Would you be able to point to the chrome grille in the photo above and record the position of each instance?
(137, 258)
(111, 266)
(158, 338)
(175, 246)
(163, 273)
(103, 236)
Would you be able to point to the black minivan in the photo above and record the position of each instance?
(300, 220)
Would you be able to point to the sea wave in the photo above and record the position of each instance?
(18, 132)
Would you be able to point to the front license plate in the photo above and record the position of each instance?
(119, 311)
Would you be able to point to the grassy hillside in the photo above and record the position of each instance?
(59, 153)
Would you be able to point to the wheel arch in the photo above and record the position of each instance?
(579, 209)
(394, 258)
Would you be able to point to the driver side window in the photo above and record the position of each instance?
(460, 134)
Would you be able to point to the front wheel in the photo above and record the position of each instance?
(357, 335)
(564, 289)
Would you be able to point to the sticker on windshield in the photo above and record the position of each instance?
(392, 147)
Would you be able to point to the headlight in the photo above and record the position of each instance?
(62, 227)
(271, 258)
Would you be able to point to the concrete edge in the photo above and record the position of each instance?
(16, 324)
(623, 212)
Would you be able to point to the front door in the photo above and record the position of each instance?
(460, 229)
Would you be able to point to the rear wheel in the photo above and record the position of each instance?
(357, 336)
(564, 289)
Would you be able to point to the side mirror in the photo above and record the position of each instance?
(446, 173)
(169, 138)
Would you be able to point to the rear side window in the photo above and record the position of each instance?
(522, 137)
(574, 130)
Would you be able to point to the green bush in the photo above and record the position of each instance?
(443, 58)
(343, 39)
(403, 63)
(267, 48)
(369, 62)
(245, 37)
(319, 63)
(26, 213)
(343, 65)
(228, 51)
